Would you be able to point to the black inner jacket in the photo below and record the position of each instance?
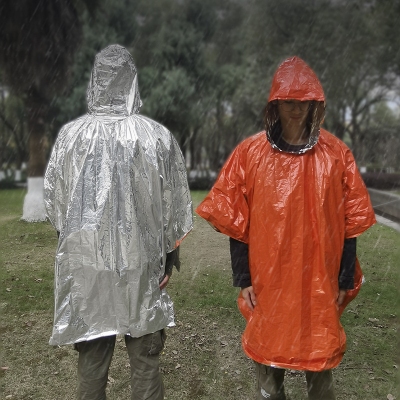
(241, 271)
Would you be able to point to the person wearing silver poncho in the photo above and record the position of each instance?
(116, 191)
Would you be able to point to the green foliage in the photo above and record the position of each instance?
(381, 139)
(205, 67)
(169, 99)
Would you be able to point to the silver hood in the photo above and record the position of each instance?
(113, 89)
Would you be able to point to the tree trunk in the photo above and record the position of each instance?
(34, 209)
(37, 138)
(195, 151)
(338, 129)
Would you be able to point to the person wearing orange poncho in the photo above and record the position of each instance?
(292, 201)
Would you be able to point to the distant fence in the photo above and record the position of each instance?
(385, 204)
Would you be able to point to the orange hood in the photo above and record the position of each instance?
(294, 79)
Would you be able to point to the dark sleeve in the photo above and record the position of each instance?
(240, 263)
(348, 264)
(172, 259)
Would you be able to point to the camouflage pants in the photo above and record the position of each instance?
(95, 359)
(270, 384)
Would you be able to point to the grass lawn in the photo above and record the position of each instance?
(202, 358)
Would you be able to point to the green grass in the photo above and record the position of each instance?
(26, 258)
(197, 197)
(206, 341)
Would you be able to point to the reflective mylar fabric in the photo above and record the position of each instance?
(116, 189)
(294, 211)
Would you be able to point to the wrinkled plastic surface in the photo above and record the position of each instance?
(116, 190)
(294, 211)
(294, 79)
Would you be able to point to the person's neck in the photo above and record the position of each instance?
(295, 137)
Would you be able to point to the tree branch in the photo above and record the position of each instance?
(13, 130)
(7, 123)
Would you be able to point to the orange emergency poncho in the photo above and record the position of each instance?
(294, 211)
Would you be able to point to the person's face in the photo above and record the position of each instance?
(293, 113)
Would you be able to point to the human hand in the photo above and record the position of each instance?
(342, 295)
(164, 282)
(249, 297)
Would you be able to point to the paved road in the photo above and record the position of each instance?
(388, 222)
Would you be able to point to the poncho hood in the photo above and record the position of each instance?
(113, 88)
(294, 79)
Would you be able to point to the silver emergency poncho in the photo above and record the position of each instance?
(116, 190)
